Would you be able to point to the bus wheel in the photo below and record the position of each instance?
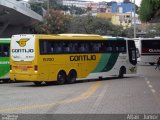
(37, 83)
(122, 72)
(6, 80)
(61, 77)
(71, 78)
(151, 63)
(50, 83)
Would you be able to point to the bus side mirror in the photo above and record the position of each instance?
(137, 53)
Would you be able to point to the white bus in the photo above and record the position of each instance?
(149, 50)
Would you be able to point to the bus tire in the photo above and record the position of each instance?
(61, 78)
(37, 83)
(50, 83)
(6, 80)
(151, 63)
(122, 71)
(71, 78)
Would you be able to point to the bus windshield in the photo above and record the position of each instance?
(22, 48)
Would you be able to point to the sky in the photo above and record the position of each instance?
(136, 1)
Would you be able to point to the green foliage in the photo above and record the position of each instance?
(93, 25)
(153, 30)
(128, 32)
(55, 22)
(146, 10)
(76, 10)
(149, 9)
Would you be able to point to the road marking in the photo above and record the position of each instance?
(86, 94)
(98, 101)
(150, 85)
(156, 96)
(148, 82)
(153, 90)
(90, 91)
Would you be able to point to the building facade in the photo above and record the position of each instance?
(122, 7)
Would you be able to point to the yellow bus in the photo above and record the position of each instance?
(66, 58)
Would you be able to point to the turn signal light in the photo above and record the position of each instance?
(35, 68)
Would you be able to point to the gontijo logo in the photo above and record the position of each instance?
(22, 42)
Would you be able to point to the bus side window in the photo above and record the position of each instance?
(108, 49)
(43, 47)
(82, 48)
(96, 48)
(72, 47)
(117, 49)
(66, 48)
(51, 47)
(122, 49)
(5, 50)
(110, 46)
(52, 50)
(58, 48)
(121, 46)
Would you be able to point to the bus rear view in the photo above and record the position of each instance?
(149, 49)
(22, 57)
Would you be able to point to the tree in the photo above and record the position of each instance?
(93, 25)
(54, 22)
(128, 32)
(150, 10)
(76, 10)
(146, 10)
(153, 30)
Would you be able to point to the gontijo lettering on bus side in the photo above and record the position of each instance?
(83, 58)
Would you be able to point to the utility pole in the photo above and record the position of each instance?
(131, 13)
(48, 6)
(134, 20)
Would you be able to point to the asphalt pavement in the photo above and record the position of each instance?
(134, 94)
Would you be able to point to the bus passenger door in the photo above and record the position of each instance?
(132, 52)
